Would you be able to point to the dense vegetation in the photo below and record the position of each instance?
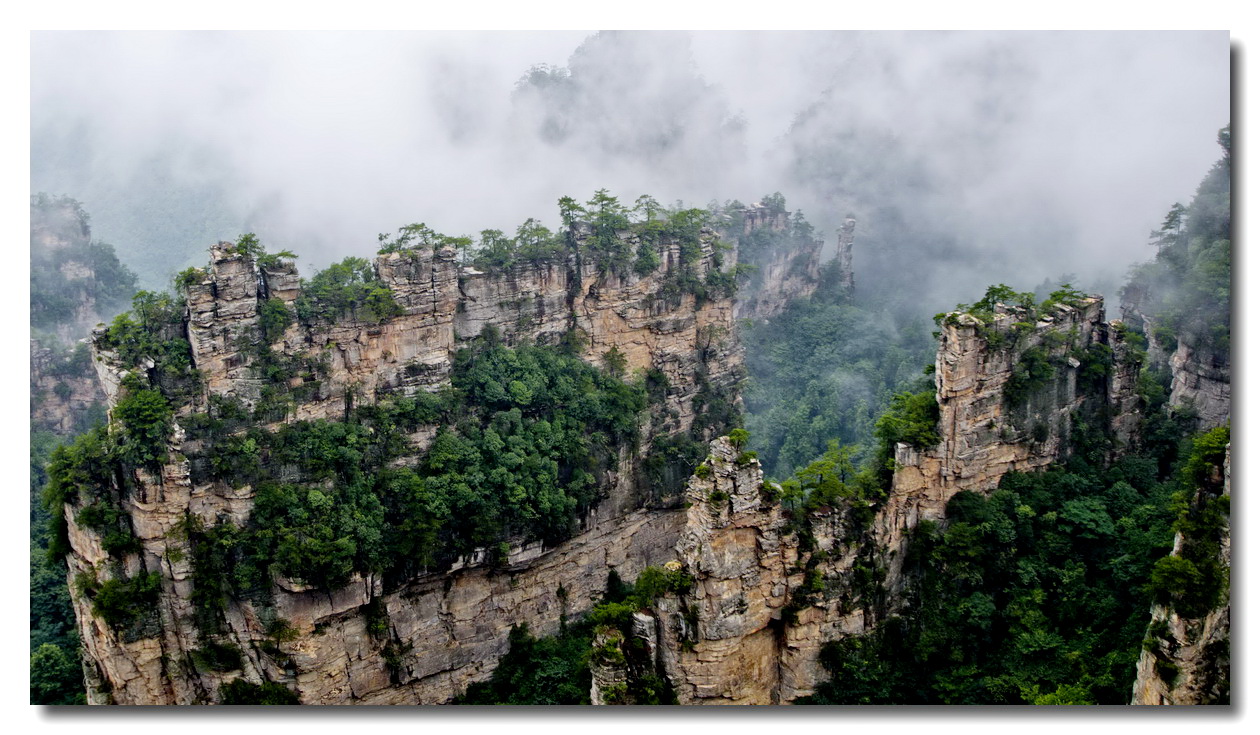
(56, 674)
(1039, 593)
(556, 669)
(521, 437)
(72, 287)
(1186, 289)
(548, 670)
(1193, 580)
(349, 287)
(825, 370)
(602, 234)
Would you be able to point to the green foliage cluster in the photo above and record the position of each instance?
(619, 240)
(522, 437)
(758, 245)
(239, 691)
(127, 604)
(825, 369)
(1022, 303)
(1186, 289)
(548, 670)
(85, 472)
(1193, 580)
(56, 676)
(911, 418)
(419, 235)
(556, 669)
(154, 330)
(1032, 372)
(833, 480)
(1041, 592)
(145, 417)
(349, 287)
(645, 683)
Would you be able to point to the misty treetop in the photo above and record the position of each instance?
(609, 233)
(72, 276)
(1186, 288)
(346, 288)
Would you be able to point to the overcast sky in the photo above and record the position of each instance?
(1033, 151)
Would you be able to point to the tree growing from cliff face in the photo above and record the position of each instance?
(349, 287)
(522, 436)
(608, 219)
(145, 417)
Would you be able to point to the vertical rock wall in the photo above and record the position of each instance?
(442, 631)
(1201, 381)
(782, 274)
(63, 396)
(1187, 659)
(844, 254)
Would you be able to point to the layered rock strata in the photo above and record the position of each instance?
(782, 275)
(749, 630)
(984, 436)
(64, 395)
(444, 630)
(1201, 381)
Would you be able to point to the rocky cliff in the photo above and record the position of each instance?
(750, 628)
(785, 265)
(764, 603)
(747, 631)
(1008, 392)
(75, 284)
(363, 643)
(1201, 374)
(1186, 657)
(65, 396)
(1201, 381)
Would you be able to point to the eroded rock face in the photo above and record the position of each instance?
(1187, 660)
(423, 643)
(782, 275)
(742, 634)
(1200, 377)
(1202, 382)
(984, 436)
(64, 395)
(782, 278)
(732, 544)
(65, 398)
(749, 630)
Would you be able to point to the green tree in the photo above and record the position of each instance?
(56, 676)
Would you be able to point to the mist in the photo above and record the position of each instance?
(968, 158)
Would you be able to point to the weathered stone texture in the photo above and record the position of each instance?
(444, 630)
(1199, 648)
(60, 403)
(1202, 382)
